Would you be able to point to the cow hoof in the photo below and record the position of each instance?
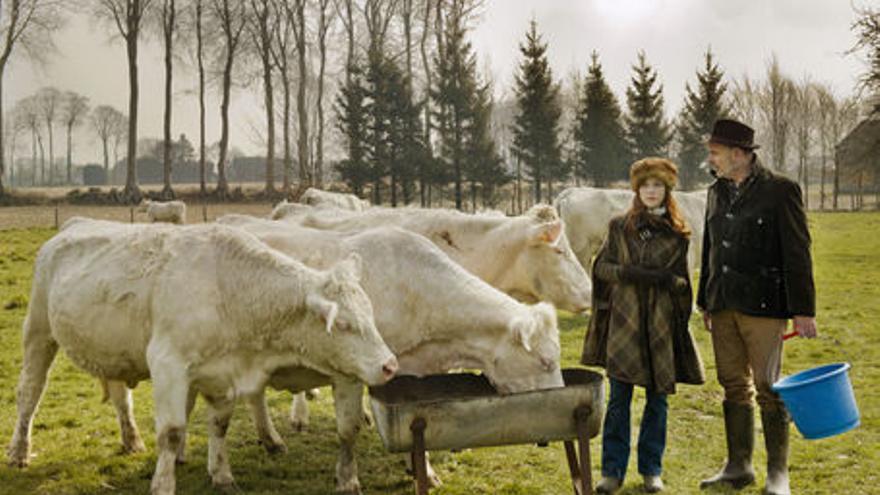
(298, 424)
(352, 489)
(18, 463)
(18, 458)
(134, 448)
(274, 448)
(225, 486)
(433, 480)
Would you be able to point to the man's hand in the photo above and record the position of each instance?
(805, 326)
(707, 320)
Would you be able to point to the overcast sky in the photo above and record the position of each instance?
(810, 37)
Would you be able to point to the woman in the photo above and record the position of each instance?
(639, 328)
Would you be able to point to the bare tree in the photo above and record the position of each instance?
(777, 97)
(18, 127)
(426, 94)
(298, 21)
(804, 126)
(260, 27)
(73, 109)
(281, 48)
(325, 23)
(168, 19)
(867, 30)
(847, 118)
(106, 122)
(127, 16)
(230, 15)
(49, 101)
(745, 99)
(27, 25)
(827, 109)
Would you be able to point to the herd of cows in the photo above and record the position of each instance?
(329, 291)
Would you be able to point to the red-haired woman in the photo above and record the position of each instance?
(639, 328)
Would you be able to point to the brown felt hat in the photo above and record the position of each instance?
(733, 133)
(659, 168)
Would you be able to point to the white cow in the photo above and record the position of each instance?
(318, 197)
(528, 256)
(587, 211)
(168, 211)
(207, 309)
(434, 315)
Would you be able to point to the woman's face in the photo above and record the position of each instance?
(652, 192)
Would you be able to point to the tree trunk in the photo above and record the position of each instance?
(106, 160)
(2, 142)
(822, 182)
(49, 127)
(33, 157)
(203, 188)
(132, 192)
(303, 138)
(288, 159)
(270, 121)
(222, 184)
(836, 189)
(168, 25)
(69, 153)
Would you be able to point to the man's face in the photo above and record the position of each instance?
(726, 160)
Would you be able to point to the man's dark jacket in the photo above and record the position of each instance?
(756, 248)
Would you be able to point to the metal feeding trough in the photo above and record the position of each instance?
(462, 410)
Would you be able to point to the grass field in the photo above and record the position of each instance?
(76, 438)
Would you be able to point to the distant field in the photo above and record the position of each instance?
(22, 217)
(76, 438)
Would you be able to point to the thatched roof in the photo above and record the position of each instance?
(860, 149)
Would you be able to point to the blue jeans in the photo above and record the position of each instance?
(616, 432)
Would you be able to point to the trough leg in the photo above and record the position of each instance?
(579, 465)
(581, 416)
(418, 456)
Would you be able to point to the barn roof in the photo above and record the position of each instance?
(861, 147)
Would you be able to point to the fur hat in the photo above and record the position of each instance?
(658, 168)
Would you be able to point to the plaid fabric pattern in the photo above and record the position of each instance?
(633, 329)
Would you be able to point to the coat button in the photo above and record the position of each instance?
(725, 268)
(725, 243)
(763, 305)
(728, 216)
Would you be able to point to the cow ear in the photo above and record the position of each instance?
(547, 233)
(351, 266)
(324, 309)
(522, 330)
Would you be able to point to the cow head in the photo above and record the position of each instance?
(527, 358)
(349, 341)
(548, 265)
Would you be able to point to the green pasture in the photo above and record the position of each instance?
(77, 447)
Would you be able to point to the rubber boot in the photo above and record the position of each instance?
(776, 441)
(739, 427)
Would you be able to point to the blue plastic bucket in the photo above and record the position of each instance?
(820, 400)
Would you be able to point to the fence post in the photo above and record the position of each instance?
(56, 217)
(204, 213)
(131, 213)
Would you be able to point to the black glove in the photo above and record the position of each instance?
(647, 276)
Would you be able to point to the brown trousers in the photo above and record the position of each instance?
(748, 356)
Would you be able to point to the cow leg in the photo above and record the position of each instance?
(120, 396)
(433, 479)
(170, 392)
(181, 448)
(349, 417)
(219, 414)
(268, 435)
(39, 352)
(299, 412)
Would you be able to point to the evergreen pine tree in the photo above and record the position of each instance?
(453, 97)
(485, 167)
(535, 139)
(700, 111)
(352, 122)
(647, 131)
(599, 136)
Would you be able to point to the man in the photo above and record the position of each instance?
(756, 274)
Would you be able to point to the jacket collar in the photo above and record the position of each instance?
(736, 193)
